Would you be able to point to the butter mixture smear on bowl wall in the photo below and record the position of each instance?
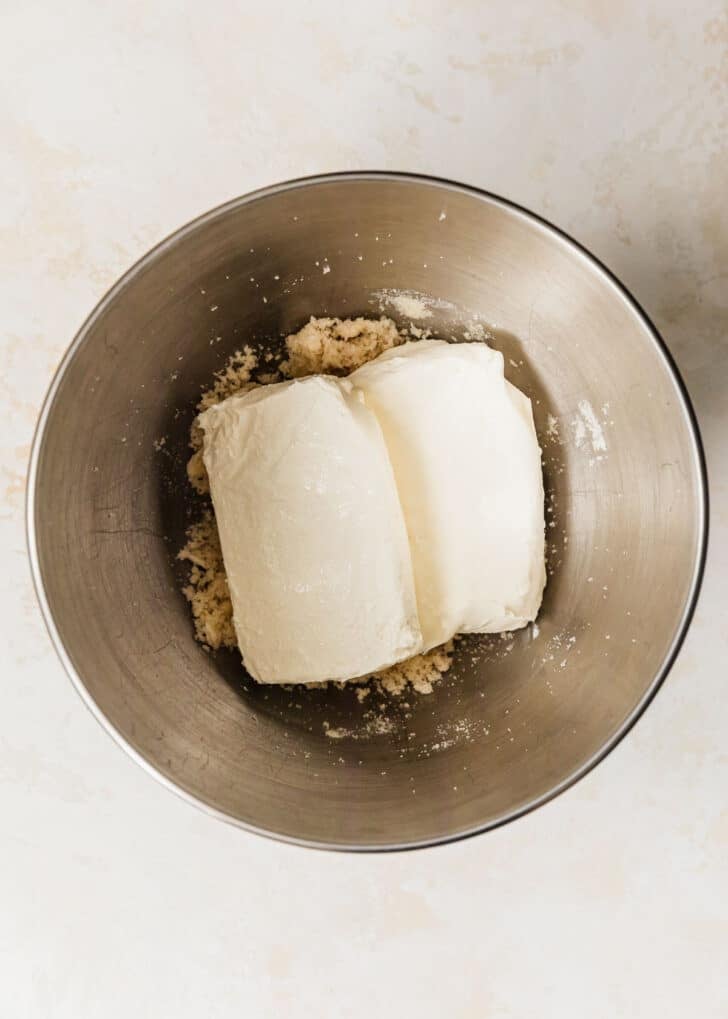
(368, 519)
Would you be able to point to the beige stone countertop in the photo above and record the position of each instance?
(121, 121)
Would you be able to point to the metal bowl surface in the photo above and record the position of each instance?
(515, 721)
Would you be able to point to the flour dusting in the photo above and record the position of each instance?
(410, 303)
(588, 431)
(599, 443)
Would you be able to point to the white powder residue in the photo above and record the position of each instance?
(410, 303)
(411, 307)
(599, 443)
(559, 646)
(375, 724)
(579, 431)
(443, 215)
(450, 734)
(587, 427)
(552, 427)
(338, 733)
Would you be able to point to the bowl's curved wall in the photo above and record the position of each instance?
(108, 511)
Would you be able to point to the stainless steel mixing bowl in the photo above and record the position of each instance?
(516, 720)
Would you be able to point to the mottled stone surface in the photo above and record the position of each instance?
(118, 122)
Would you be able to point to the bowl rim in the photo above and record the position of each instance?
(446, 185)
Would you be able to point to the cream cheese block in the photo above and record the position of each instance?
(366, 519)
(312, 532)
(465, 454)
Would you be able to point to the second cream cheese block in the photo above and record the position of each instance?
(468, 467)
(312, 532)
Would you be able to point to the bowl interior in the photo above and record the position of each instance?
(516, 718)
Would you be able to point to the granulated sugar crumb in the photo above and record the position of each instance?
(207, 588)
(234, 377)
(420, 672)
(335, 346)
